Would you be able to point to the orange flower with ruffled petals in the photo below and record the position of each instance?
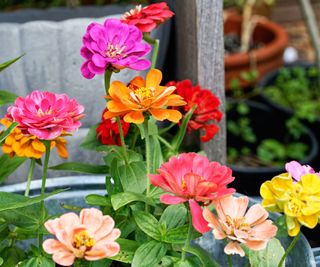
(29, 146)
(143, 96)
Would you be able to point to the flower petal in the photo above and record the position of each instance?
(198, 222)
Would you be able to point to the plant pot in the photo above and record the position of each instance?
(263, 59)
(80, 186)
(265, 123)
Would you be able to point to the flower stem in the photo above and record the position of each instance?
(123, 144)
(29, 177)
(47, 144)
(148, 156)
(155, 43)
(229, 260)
(293, 242)
(107, 78)
(167, 144)
(188, 240)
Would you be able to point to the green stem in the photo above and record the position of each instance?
(229, 260)
(167, 144)
(107, 78)
(155, 43)
(47, 144)
(293, 242)
(29, 177)
(134, 139)
(123, 144)
(188, 240)
(148, 158)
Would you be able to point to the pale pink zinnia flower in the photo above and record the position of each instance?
(296, 170)
(250, 228)
(113, 45)
(191, 177)
(46, 115)
(91, 237)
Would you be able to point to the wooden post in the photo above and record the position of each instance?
(200, 56)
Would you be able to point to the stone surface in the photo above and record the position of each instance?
(52, 62)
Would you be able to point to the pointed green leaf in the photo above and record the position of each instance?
(7, 97)
(91, 141)
(174, 216)
(11, 256)
(156, 155)
(97, 200)
(5, 134)
(11, 165)
(81, 167)
(121, 199)
(148, 224)
(205, 258)
(6, 64)
(149, 254)
(127, 250)
(39, 261)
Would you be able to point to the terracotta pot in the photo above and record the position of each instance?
(266, 58)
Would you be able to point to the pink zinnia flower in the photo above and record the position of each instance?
(113, 45)
(191, 177)
(149, 17)
(250, 228)
(296, 170)
(46, 115)
(90, 236)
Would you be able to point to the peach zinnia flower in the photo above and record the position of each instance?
(29, 146)
(191, 177)
(90, 236)
(143, 96)
(250, 228)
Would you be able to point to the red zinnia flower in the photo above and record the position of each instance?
(148, 18)
(206, 111)
(108, 131)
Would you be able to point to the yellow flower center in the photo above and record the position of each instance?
(295, 206)
(143, 93)
(83, 241)
(183, 184)
(115, 51)
(237, 223)
(41, 113)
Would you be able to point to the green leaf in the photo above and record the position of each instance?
(1, 261)
(177, 235)
(268, 257)
(6, 97)
(11, 256)
(97, 200)
(205, 258)
(91, 142)
(39, 261)
(149, 254)
(6, 64)
(148, 224)
(5, 134)
(11, 165)
(156, 155)
(121, 199)
(127, 250)
(177, 140)
(81, 167)
(133, 176)
(174, 216)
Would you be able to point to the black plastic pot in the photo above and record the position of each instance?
(266, 123)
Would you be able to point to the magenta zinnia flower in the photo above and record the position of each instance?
(191, 177)
(46, 115)
(114, 44)
(296, 170)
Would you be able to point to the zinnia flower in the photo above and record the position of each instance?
(149, 17)
(191, 177)
(91, 237)
(143, 96)
(46, 115)
(250, 228)
(206, 113)
(299, 201)
(29, 146)
(108, 131)
(113, 45)
(296, 170)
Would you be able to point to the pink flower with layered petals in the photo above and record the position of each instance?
(191, 177)
(113, 45)
(250, 228)
(149, 17)
(296, 170)
(91, 237)
(46, 115)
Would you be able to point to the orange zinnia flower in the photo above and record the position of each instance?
(29, 146)
(143, 96)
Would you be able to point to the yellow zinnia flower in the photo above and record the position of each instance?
(29, 146)
(299, 201)
(143, 96)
